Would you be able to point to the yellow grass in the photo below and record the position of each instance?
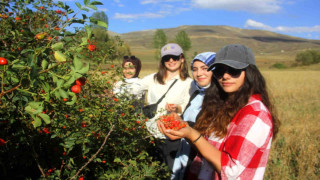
(295, 153)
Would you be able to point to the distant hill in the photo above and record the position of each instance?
(269, 47)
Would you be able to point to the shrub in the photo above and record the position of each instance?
(308, 57)
(58, 119)
(279, 66)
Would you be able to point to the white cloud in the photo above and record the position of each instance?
(254, 24)
(255, 6)
(300, 29)
(136, 16)
(103, 9)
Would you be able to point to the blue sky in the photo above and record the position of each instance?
(299, 18)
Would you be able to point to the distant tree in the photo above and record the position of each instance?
(100, 34)
(183, 40)
(101, 16)
(159, 40)
(308, 57)
(111, 48)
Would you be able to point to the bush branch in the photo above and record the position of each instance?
(8, 91)
(92, 157)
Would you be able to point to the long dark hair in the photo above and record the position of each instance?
(161, 74)
(218, 108)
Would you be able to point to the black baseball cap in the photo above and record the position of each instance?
(237, 56)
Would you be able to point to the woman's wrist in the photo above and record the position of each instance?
(194, 136)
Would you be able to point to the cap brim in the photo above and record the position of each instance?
(171, 54)
(232, 63)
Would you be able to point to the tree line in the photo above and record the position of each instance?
(160, 39)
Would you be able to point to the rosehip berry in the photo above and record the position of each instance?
(3, 61)
(76, 89)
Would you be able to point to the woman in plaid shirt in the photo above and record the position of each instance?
(234, 132)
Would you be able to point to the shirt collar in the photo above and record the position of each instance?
(201, 89)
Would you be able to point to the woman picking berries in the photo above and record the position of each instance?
(234, 132)
(173, 71)
(202, 80)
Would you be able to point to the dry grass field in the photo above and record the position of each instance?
(295, 152)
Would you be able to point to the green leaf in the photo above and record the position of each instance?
(34, 108)
(18, 66)
(133, 163)
(57, 46)
(103, 24)
(70, 11)
(71, 160)
(46, 86)
(60, 4)
(57, 94)
(59, 83)
(36, 3)
(53, 136)
(15, 61)
(98, 160)
(89, 31)
(44, 64)
(84, 41)
(85, 9)
(96, 3)
(63, 93)
(86, 2)
(77, 63)
(59, 56)
(117, 160)
(84, 69)
(37, 122)
(45, 118)
(92, 7)
(84, 16)
(73, 100)
(78, 5)
(69, 82)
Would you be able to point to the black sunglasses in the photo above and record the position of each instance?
(127, 57)
(168, 57)
(220, 70)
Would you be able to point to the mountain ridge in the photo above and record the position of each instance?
(269, 47)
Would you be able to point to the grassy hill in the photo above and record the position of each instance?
(269, 47)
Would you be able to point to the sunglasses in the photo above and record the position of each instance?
(168, 57)
(220, 70)
(127, 57)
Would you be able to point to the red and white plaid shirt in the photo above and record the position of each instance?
(245, 148)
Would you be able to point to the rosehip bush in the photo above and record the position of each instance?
(49, 131)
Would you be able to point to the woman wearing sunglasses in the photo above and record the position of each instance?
(234, 132)
(173, 71)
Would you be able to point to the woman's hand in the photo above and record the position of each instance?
(173, 108)
(172, 134)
